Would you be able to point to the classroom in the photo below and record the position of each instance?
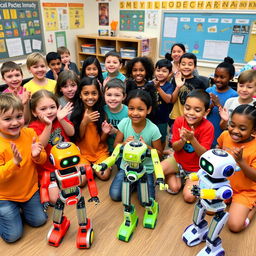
(218, 70)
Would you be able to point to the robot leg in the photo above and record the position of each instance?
(151, 206)
(213, 242)
(85, 233)
(130, 216)
(60, 225)
(196, 232)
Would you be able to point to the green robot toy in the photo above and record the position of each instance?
(133, 154)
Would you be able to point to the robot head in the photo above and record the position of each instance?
(65, 155)
(217, 163)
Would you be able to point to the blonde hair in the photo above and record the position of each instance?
(247, 76)
(34, 58)
(10, 101)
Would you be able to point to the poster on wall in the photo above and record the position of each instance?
(103, 14)
(76, 15)
(60, 39)
(51, 18)
(132, 20)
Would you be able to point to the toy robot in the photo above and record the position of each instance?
(65, 156)
(134, 154)
(216, 165)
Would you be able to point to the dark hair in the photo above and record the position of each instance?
(115, 83)
(189, 55)
(63, 77)
(79, 108)
(142, 95)
(168, 55)
(248, 110)
(9, 66)
(201, 95)
(146, 63)
(52, 56)
(114, 54)
(164, 63)
(92, 60)
(228, 65)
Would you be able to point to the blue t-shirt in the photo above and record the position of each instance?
(114, 119)
(50, 75)
(150, 133)
(214, 115)
(119, 76)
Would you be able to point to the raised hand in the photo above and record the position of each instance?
(106, 127)
(91, 117)
(179, 80)
(237, 153)
(224, 113)
(64, 111)
(44, 119)
(156, 83)
(17, 158)
(36, 148)
(215, 100)
(66, 66)
(105, 81)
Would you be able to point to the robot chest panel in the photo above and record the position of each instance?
(204, 182)
(68, 181)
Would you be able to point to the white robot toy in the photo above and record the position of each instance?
(215, 166)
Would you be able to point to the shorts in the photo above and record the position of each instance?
(84, 161)
(163, 130)
(245, 198)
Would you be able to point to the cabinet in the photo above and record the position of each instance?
(129, 47)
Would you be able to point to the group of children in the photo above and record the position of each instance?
(99, 110)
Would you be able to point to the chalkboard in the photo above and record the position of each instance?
(210, 36)
(21, 30)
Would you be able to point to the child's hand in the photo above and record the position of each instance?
(130, 138)
(66, 66)
(142, 140)
(64, 111)
(223, 113)
(17, 158)
(106, 127)
(156, 83)
(36, 148)
(105, 81)
(179, 80)
(55, 75)
(25, 97)
(91, 117)
(238, 154)
(44, 119)
(187, 135)
(182, 134)
(215, 100)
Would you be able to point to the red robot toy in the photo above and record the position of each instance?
(65, 156)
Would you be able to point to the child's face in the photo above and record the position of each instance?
(89, 95)
(46, 107)
(112, 64)
(138, 72)
(187, 66)
(91, 71)
(221, 78)
(114, 98)
(247, 90)
(176, 53)
(137, 110)
(55, 65)
(11, 123)
(162, 74)
(240, 128)
(65, 58)
(38, 70)
(69, 89)
(194, 111)
(13, 79)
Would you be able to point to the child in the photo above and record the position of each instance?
(51, 125)
(92, 68)
(19, 154)
(67, 64)
(240, 141)
(192, 136)
(186, 82)
(220, 92)
(246, 89)
(90, 129)
(137, 127)
(12, 75)
(66, 88)
(54, 63)
(114, 95)
(36, 64)
(113, 64)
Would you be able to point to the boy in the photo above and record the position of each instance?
(66, 60)
(186, 82)
(19, 154)
(113, 64)
(54, 63)
(192, 136)
(36, 64)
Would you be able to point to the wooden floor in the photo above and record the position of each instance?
(165, 239)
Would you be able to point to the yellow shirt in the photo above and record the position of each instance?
(33, 87)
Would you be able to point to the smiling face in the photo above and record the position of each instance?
(91, 71)
(11, 123)
(38, 70)
(114, 98)
(187, 67)
(13, 79)
(221, 78)
(176, 53)
(55, 65)
(69, 89)
(112, 64)
(89, 95)
(240, 128)
(162, 74)
(139, 73)
(246, 91)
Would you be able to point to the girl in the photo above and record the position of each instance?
(137, 127)
(91, 129)
(51, 125)
(240, 141)
(138, 72)
(220, 92)
(66, 88)
(92, 68)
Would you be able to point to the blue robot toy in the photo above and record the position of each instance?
(133, 154)
(215, 166)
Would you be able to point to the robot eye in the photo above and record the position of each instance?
(210, 169)
(65, 162)
(203, 163)
(75, 159)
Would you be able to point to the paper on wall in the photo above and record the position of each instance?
(215, 49)
(14, 47)
(170, 27)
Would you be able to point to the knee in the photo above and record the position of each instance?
(115, 195)
(235, 226)
(189, 198)
(40, 220)
(174, 187)
(14, 236)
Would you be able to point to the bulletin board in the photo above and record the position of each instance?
(21, 30)
(210, 36)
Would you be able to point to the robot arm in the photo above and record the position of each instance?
(91, 184)
(44, 193)
(193, 176)
(222, 193)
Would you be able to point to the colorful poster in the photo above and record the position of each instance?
(51, 18)
(132, 20)
(60, 39)
(76, 16)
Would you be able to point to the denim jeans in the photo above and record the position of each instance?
(11, 226)
(115, 190)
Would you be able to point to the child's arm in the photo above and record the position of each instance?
(38, 153)
(156, 145)
(106, 129)
(120, 139)
(224, 118)
(165, 96)
(45, 135)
